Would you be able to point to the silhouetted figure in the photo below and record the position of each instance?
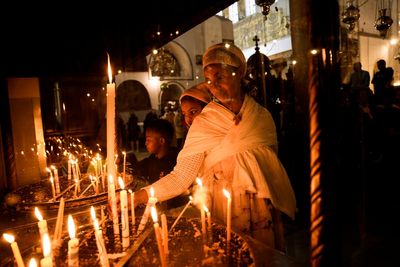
(133, 132)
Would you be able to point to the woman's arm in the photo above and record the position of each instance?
(174, 183)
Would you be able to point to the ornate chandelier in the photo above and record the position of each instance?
(265, 6)
(383, 22)
(350, 15)
(163, 63)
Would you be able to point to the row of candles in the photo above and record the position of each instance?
(73, 168)
(73, 244)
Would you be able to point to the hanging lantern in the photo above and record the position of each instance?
(383, 23)
(350, 15)
(265, 5)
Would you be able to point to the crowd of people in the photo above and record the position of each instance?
(369, 134)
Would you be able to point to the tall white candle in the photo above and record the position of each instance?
(14, 246)
(47, 260)
(132, 209)
(110, 122)
(69, 167)
(42, 224)
(73, 244)
(99, 240)
(113, 200)
(56, 179)
(164, 227)
(59, 223)
(150, 203)
(53, 191)
(228, 216)
(202, 213)
(208, 215)
(180, 214)
(157, 232)
(123, 198)
(124, 166)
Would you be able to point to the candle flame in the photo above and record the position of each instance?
(32, 262)
(51, 180)
(130, 191)
(92, 213)
(199, 181)
(71, 227)
(46, 245)
(151, 192)
(121, 183)
(110, 179)
(190, 198)
(109, 68)
(226, 193)
(154, 214)
(9, 238)
(38, 214)
(123, 153)
(48, 170)
(52, 167)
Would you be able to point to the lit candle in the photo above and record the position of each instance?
(123, 198)
(208, 215)
(180, 214)
(47, 260)
(74, 175)
(56, 179)
(228, 216)
(132, 209)
(164, 227)
(110, 122)
(73, 244)
(59, 223)
(69, 167)
(76, 188)
(150, 203)
(14, 246)
(124, 166)
(42, 224)
(202, 213)
(158, 237)
(78, 171)
(113, 204)
(53, 191)
(32, 263)
(99, 240)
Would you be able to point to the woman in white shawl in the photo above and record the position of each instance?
(232, 144)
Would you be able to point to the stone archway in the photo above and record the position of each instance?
(170, 91)
(132, 95)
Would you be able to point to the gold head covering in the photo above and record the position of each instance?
(225, 53)
(199, 92)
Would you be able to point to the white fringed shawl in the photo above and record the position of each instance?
(257, 169)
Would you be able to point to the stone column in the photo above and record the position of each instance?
(27, 130)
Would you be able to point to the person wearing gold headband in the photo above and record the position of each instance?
(232, 145)
(193, 100)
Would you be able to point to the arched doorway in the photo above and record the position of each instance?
(169, 94)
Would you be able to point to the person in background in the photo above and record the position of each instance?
(359, 78)
(159, 134)
(380, 82)
(133, 132)
(193, 100)
(232, 145)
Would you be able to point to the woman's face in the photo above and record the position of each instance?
(190, 109)
(223, 82)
